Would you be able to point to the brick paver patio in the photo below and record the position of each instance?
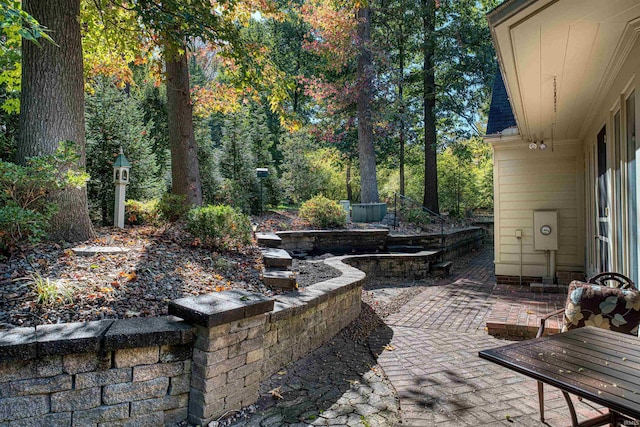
(429, 351)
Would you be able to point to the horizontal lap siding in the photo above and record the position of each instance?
(528, 180)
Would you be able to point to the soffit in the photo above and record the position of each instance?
(559, 58)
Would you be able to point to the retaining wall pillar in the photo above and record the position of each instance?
(228, 352)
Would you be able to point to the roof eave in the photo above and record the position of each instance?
(506, 10)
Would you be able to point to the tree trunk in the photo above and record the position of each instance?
(401, 108)
(430, 164)
(348, 181)
(185, 171)
(52, 106)
(366, 153)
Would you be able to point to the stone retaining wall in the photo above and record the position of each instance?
(452, 243)
(333, 241)
(205, 360)
(106, 373)
(404, 266)
(160, 371)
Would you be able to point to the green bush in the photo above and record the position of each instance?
(219, 226)
(26, 191)
(21, 225)
(142, 213)
(323, 213)
(173, 207)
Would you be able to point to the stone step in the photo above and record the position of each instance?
(405, 249)
(268, 240)
(276, 258)
(282, 279)
(441, 269)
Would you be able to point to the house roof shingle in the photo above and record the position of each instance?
(500, 112)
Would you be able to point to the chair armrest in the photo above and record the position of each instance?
(543, 321)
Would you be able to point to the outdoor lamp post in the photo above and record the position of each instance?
(261, 173)
(120, 178)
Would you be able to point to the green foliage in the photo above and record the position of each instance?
(323, 213)
(153, 103)
(25, 194)
(210, 178)
(114, 120)
(173, 207)
(142, 213)
(237, 166)
(220, 226)
(301, 180)
(16, 19)
(465, 177)
(50, 291)
(246, 142)
(18, 225)
(261, 138)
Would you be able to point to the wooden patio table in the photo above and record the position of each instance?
(593, 363)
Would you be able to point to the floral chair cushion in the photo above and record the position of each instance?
(608, 308)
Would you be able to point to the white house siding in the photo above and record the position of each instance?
(527, 180)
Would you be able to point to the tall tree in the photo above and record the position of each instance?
(185, 171)
(52, 106)
(430, 200)
(366, 152)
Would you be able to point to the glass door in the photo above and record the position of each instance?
(632, 198)
(602, 198)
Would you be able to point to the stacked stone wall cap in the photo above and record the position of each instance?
(220, 307)
(147, 332)
(68, 338)
(18, 344)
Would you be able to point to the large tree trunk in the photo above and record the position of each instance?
(430, 164)
(185, 171)
(52, 106)
(401, 108)
(366, 153)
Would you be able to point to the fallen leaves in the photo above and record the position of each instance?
(275, 393)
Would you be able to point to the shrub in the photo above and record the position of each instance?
(25, 194)
(142, 213)
(173, 207)
(20, 225)
(323, 213)
(219, 226)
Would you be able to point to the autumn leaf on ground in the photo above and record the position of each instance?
(275, 393)
(389, 347)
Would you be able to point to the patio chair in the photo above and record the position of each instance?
(583, 308)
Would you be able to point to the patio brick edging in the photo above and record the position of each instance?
(160, 371)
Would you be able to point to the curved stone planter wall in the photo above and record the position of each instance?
(403, 266)
(333, 241)
(159, 371)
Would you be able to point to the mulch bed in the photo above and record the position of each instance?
(163, 264)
